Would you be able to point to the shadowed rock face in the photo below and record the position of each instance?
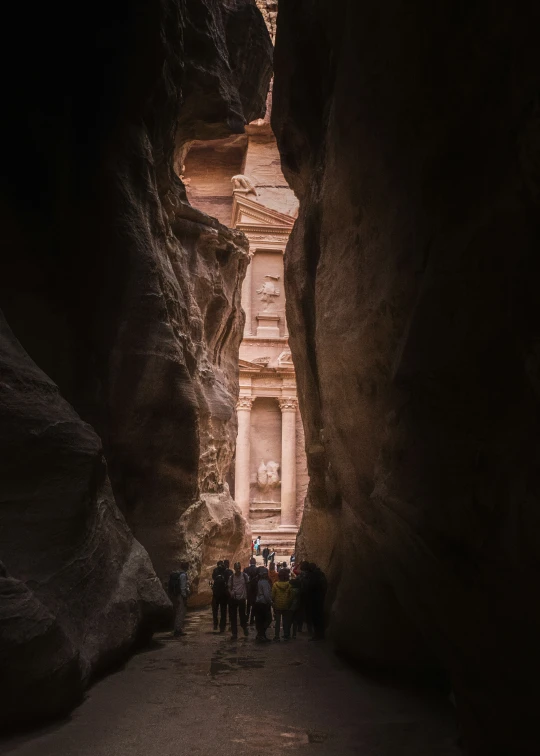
(128, 300)
(80, 589)
(411, 135)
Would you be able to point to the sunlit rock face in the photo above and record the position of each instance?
(126, 304)
(411, 135)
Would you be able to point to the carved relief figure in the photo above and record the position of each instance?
(262, 477)
(273, 474)
(268, 291)
(268, 476)
(243, 185)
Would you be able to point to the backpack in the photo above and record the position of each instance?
(230, 583)
(252, 586)
(174, 583)
(219, 588)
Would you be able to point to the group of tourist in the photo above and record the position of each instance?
(260, 596)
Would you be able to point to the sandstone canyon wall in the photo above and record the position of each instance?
(411, 134)
(123, 304)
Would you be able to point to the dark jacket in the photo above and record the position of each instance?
(219, 587)
(253, 574)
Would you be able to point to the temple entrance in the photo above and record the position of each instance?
(239, 181)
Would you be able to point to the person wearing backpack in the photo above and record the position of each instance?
(282, 598)
(179, 592)
(220, 597)
(273, 574)
(237, 585)
(263, 605)
(253, 575)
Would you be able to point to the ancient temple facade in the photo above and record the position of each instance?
(239, 181)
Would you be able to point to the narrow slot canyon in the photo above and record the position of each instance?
(269, 269)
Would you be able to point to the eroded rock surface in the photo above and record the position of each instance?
(128, 300)
(411, 135)
(80, 589)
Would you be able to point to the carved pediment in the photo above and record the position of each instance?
(251, 366)
(248, 212)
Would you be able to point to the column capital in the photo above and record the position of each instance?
(244, 403)
(288, 403)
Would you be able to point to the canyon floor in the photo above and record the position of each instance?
(205, 694)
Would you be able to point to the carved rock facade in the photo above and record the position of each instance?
(411, 279)
(128, 300)
(259, 202)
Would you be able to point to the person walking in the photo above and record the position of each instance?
(282, 598)
(237, 585)
(273, 574)
(219, 597)
(263, 604)
(179, 592)
(265, 553)
(253, 575)
(258, 545)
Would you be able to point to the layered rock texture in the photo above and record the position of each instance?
(411, 134)
(121, 353)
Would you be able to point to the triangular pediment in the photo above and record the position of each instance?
(252, 367)
(248, 212)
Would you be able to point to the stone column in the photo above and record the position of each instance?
(243, 442)
(246, 297)
(288, 462)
